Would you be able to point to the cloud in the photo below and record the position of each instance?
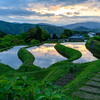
(25, 3)
(72, 13)
(76, 13)
(50, 11)
(21, 12)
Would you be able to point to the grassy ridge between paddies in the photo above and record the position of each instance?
(94, 47)
(5, 68)
(27, 58)
(58, 69)
(51, 73)
(67, 52)
(86, 71)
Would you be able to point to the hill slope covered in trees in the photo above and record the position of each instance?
(11, 28)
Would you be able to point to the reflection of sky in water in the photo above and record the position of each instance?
(10, 57)
(45, 55)
(86, 55)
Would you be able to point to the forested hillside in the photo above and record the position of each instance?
(2, 34)
(11, 28)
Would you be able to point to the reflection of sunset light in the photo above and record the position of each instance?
(86, 55)
(45, 55)
(42, 50)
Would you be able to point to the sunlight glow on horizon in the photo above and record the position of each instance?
(53, 12)
(77, 10)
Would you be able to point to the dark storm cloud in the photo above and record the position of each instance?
(21, 12)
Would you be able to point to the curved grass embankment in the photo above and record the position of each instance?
(51, 73)
(57, 70)
(67, 52)
(27, 58)
(82, 75)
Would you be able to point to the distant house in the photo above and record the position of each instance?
(91, 34)
(76, 37)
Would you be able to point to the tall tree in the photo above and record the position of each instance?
(67, 32)
(38, 33)
(55, 36)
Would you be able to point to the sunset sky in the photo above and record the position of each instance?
(57, 12)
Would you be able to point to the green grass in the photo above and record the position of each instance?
(90, 69)
(59, 69)
(6, 48)
(68, 52)
(27, 58)
(50, 73)
(96, 47)
(5, 68)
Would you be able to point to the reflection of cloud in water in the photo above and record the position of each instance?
(86, 55)
(45, 62)
(49, 45)
(10, 57)
(45, 55)
(42, 51)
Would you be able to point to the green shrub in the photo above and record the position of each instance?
(23, 88)
(34, 41)
(2, 45)
(16, 41)
(96, 38)
(73, 68)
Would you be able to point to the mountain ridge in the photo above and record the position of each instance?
(18, 28)
(90, 25)
(81, 28)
